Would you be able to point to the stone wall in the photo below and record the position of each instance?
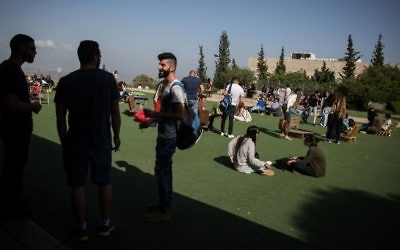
(294, 65)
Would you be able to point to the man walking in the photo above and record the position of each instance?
(15, 124)
(91, 99)
(237, 92)
(192, 84)
(170, 115)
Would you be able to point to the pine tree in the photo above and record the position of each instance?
(202, 69)
(221, 76)
(234, 65)
(351, 58)
(325, 75)
(262, 67)
(280, 66)
(378, 58)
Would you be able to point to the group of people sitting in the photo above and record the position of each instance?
(244, 157)
(38, 83)
(376, 123)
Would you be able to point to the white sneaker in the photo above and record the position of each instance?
(231, 136)
(222, 134)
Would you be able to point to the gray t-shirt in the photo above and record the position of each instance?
(177, 95)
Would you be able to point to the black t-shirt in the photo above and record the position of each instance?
(89, 96)
(12, 80)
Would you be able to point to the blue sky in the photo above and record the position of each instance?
(132, 33)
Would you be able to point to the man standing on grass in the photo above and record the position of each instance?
(91, 99)
(237, 94)
(15, 124)
(171, 113)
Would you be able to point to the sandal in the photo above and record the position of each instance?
(267, 172)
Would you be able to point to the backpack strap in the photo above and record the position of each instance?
(186, 106)
(230, 88)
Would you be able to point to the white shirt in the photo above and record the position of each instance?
(246, 161)
(236, 92)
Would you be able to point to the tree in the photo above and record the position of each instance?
(262, 67)
(378, 58)
(246, 76)
(324, 75)
(221, 76)
(234, 65)
(351, 58)
(144, 80)
(202, 69)
(280, 66)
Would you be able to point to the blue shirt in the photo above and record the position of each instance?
(192, 85)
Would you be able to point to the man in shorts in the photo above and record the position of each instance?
(91, 99)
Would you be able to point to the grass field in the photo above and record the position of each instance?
(356, 205)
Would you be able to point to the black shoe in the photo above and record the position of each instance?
(105, 231)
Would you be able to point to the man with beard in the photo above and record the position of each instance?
(15, 124)
(171, 113)
(91, 98)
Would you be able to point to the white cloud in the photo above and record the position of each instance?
(48, 44)
(67, 46)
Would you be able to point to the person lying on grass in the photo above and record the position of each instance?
(242, 153)
(313, 164)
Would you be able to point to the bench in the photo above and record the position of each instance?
(352, 134)
(388, 131)
(299, 133)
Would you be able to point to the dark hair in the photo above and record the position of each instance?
(310, 138)
(18, 40)
(235, 78)
(86, 50)
(168, 56)
(251, 132)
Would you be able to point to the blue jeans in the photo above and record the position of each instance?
(193, 104)
(165, 149)
(304, 169)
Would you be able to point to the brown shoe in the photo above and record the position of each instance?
(157, 216)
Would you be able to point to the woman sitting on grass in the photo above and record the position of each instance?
(313, 164)
(242, 114)
(242, 153)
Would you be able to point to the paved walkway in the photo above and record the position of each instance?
(25, 234)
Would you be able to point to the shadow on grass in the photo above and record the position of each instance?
(350, 219)
(273, 133)
(195, 225)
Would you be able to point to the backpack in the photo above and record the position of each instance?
(190, 131)
(226, 102)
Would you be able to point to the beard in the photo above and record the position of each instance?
(29, 58)
(163, 74)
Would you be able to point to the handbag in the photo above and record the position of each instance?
(226, 101)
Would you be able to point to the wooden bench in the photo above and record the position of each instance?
(352, 134)
(297, 133)
(388, 131)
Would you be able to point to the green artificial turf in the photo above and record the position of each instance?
(355, 206)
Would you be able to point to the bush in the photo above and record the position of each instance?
(394, 107)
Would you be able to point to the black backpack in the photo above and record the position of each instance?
(189, 131)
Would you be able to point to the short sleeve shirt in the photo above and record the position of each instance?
(169, 96)
(89, 96)
(12, 80)
(192, 85)
(236, 92)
